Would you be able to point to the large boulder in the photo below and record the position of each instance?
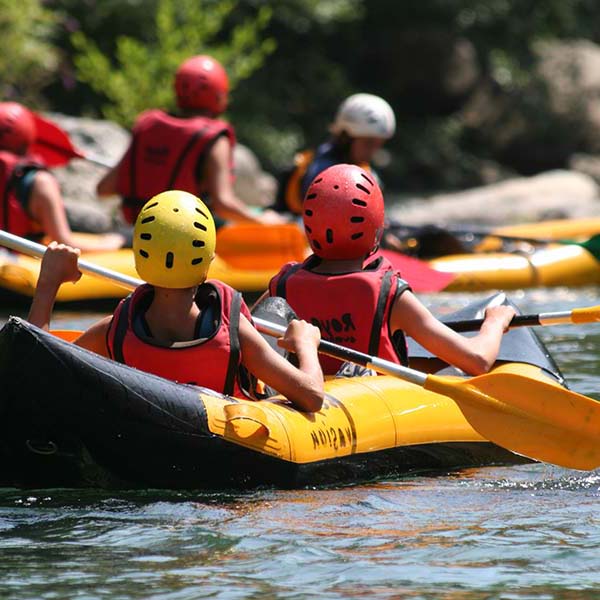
(552, 195)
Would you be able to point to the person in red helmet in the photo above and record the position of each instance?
(361, 302)
(32, 203)
(191, 151)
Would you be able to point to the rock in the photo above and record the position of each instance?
(252, 185)
(551, 195)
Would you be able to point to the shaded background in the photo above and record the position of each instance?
(482, 89)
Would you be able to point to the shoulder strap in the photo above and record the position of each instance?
(186, 150)
(280, 288)
(234, 343)
(384, 291)
(121, 325)
(398, 337)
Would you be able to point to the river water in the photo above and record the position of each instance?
(527, 531)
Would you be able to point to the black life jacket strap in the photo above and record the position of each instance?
(280, 288)
(234, 343)
(186, 150)
(398, 337)
(121, 325)
(384, 292)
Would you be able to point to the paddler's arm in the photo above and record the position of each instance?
(302, 386)
(107, 186)
(475, 355)
(217, 180)
(59, 265)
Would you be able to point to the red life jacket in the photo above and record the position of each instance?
(13, 217)
(351, 309)
(165, 154)
(213, 362)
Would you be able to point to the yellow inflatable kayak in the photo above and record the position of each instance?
(83, 420)
(19, 275)
(550, 266)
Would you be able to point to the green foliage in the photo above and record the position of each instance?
(27, 58)
(143, 74)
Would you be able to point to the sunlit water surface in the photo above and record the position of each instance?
(529, 531)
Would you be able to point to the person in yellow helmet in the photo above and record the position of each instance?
(179, 325)
(191, 150)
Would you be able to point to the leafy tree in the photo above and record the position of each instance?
(27, 58)
(141, 74)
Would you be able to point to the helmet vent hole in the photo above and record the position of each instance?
(358, 202)
(308, 229)
(199, 226)
(144, 253)
(150, 206)
(308, 213)
(148, 220)
(146, 236)
(202, 213)
(175, 210)
(365, 177)
(357, 219)
(169, 260)
(329, 236)
(318, 180)
(196, 261)
(336, 187)
(198, 244)
(311, 196)
(362, 188)
(316, 245)
(356, 236)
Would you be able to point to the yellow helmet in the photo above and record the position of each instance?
(174, 240)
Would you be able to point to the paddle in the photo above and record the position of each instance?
(54, 146)
(588, 314)
(539, 420)
(432, 240)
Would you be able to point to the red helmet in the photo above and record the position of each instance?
(201, 83)
(17, 127)
(343, 213)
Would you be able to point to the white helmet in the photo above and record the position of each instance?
(364, 115)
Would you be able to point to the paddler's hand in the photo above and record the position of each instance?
(299, 334)
(502, 315)
(59, 265)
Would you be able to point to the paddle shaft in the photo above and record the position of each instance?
(415, 230)
(588, 314)
(354, 356)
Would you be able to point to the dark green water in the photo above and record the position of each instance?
(529, 531)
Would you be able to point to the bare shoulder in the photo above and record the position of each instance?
(94, 338)
(221, 149)
(44, 180)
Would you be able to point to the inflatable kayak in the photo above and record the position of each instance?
(545, 266)
(71, 418)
